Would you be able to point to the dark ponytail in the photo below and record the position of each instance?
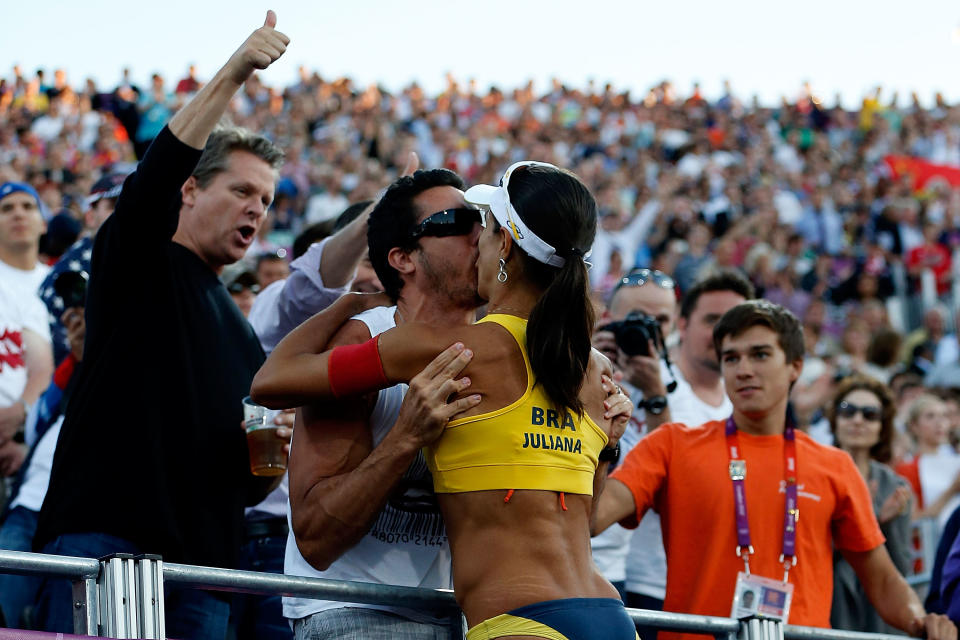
(559, 208)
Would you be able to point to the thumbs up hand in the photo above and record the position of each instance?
(259, 51)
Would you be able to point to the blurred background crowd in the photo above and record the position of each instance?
(849, 218)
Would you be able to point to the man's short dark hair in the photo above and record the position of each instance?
(718, 280)
(762, 313)
(224, 141)
(394, 217)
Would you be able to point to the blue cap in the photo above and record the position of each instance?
(12, 187)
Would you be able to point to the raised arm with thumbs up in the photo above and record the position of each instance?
(194, 122)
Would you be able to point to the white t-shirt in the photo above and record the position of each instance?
(17, 312)
(936, 473)
(646, 562)
(24, 283)
(407, 544)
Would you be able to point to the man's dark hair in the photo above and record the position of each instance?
(762, 313)
(719, 280)
(225, 140)
(394, 217)
(884, 347)
(904, 380)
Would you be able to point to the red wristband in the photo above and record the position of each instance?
(355, 369)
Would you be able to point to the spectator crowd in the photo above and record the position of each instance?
(816, 208)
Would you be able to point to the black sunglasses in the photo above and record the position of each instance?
(639, 277)
(449, 222)
(848, 410)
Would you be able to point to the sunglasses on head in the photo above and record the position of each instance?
(848, 410)
(449, 222)
(639, 277)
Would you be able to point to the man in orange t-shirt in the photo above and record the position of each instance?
(685, 475)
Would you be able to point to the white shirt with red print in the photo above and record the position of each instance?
(17, 312)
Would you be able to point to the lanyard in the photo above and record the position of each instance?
(738, 471)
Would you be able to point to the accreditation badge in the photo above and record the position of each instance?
(763, 597)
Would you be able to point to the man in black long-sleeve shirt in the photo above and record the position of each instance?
(151, 457)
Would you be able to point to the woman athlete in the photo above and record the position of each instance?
(515, 471)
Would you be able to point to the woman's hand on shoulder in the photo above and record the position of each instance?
(432, 400)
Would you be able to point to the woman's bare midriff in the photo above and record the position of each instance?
(528, 550)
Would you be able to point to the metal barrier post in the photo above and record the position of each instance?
(149, 588)
(778, 630)
(86, 607)
(759, 628)
(119, 615)
(749, 629)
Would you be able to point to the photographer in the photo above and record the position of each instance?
(640, 315)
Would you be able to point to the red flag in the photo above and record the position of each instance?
(923, 174)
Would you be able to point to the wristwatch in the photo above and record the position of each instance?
(609, 454)
(654, 405)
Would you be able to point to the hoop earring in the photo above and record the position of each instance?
(502, 274)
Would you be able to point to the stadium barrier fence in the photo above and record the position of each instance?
(121, 596)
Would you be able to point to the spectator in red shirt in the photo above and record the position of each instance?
(930, 255)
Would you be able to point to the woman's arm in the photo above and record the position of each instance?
(300, 370)
(296, 371)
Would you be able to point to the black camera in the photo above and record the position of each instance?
(71, 286)
(634, 334)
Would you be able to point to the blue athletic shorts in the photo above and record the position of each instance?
(567, 619)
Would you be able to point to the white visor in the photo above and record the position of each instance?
(497, 200)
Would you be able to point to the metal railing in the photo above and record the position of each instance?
(123, 596)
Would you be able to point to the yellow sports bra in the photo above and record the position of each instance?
(525, 445)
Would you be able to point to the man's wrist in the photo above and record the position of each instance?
(655, 404)
(404, 445)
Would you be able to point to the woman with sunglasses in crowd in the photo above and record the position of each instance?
(515, 472)
(861, 419)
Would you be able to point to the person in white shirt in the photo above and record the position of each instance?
(26, 361)
(26, 364)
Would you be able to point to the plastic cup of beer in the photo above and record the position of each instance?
(266, 448)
